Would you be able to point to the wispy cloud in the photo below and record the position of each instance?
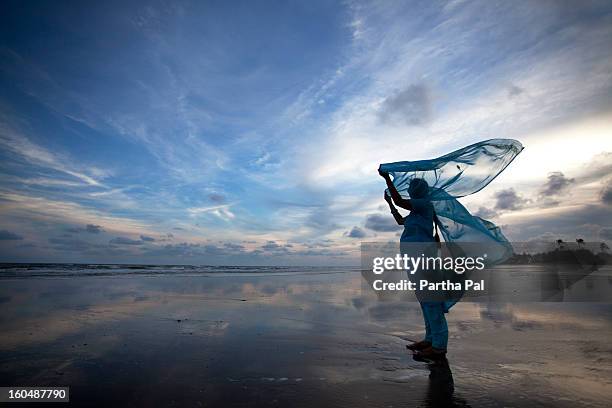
(273, 134)
(221, 211)
(15, 142)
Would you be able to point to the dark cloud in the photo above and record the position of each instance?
(233, 247)
(323, 252)
(356, 232)
(73, 230)
(606, 193)
(270, 246)
(93, 229)
(124, 241)
(514, 90)
(606, 233)
(26, 245)
(9, 236)
(485, 213)
(273, 247)
(381, 223)
(181, 250)
(147, 239)
(322, 220)
(216, 198)
(73, 244)
(555, 184)
(509, 200)
(195, 250)
(214, 250)
(586, 222)
(326, 243)
(411, 106)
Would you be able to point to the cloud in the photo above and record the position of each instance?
(275, 248)
(221, 211)
(74, 245)
(228, 250)
(9, 236)
(319, 244)
(73, 230)
(567, 222)
(124, 241)
(599, 167)
(146, 238)
(180, 250)
(555, 184)
(514, 90)
(14, 141)
(410, 106)
(606, 193)
(41, 209)
(509, 200)
(399, 69)
(485, 213)
(324, 252)
(381, 223)
(93, 228)
(234, 247)
(216, 198)
(322, 219)
(356, 232)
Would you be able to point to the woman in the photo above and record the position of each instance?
(418, 228)
(454, 175)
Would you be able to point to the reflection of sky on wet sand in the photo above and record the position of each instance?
(298, 340)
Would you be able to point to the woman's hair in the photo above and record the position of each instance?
(418, 188)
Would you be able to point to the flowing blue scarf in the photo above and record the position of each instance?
(458, 174)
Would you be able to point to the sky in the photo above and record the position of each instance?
(250, 133)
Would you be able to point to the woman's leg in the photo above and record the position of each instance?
(427, 325)
(438, 328)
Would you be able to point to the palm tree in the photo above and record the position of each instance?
(604, 247)
(580, 242)
(560, 243)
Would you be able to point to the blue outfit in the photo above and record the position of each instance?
(418, 228)
(436, 328)
(433, 187)
(418, 225)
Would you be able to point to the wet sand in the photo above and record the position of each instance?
(282, 339)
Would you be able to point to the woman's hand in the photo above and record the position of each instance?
(395, 195)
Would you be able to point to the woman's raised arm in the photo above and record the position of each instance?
(395, 195)
(398, 217)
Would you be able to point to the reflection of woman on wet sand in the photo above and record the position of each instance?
(441, 389)
(418, 227)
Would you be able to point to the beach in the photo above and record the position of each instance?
(286, 337)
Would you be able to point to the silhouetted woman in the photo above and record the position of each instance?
(418, 228)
